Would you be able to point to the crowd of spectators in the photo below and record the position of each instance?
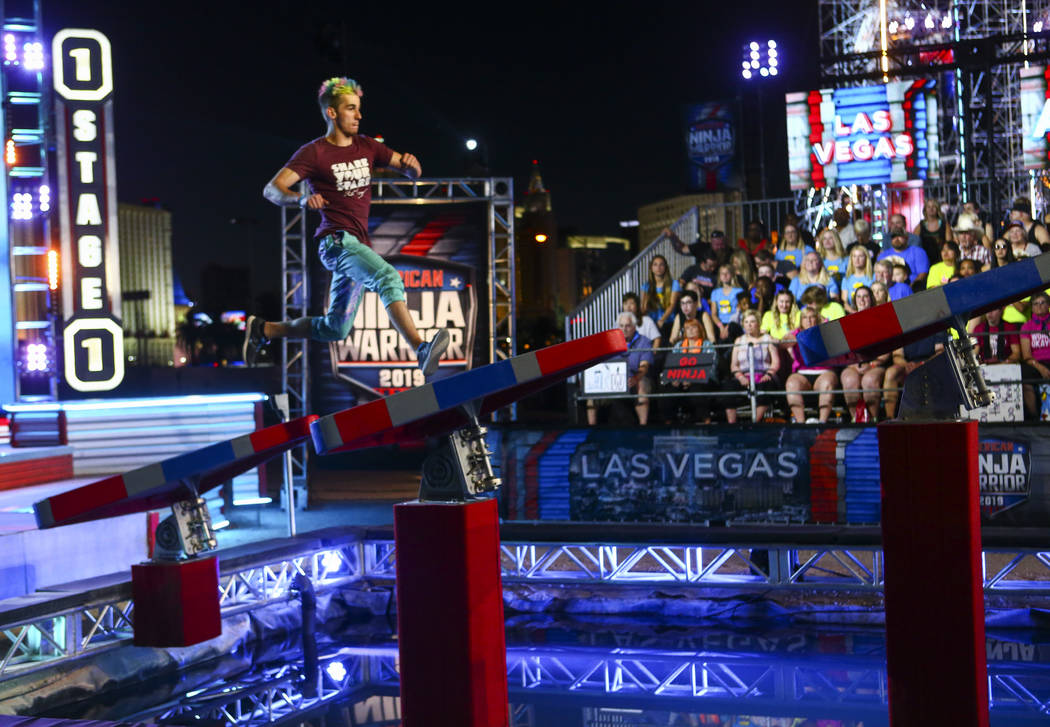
(747, 300)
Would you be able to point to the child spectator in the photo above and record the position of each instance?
(813, 273)
(942, 272)
(914, 257)
(829, 246)
(858, 274)
(723, 301)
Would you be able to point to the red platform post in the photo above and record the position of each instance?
(931, 540)
(450, 615)
(177, 603)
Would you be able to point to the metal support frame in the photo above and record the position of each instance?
(295, 360)
(366, 682)
(49, 638)
(498, 194)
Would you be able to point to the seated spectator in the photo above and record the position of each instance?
(1021, 246)
(639, 359)
(914, 257)
(942, 272)
(704, 273)
(899, 226)
(1034, 231)
(1002, 253)
(755, 238)
(1035, 350)
(880, 292)
(689, 310)
(830, 248)
(693, 340)
(968, 235)
(754, 360)
(883, 272)
(790, 247)
(813, 273)
(817, 296)
(933, 229)
(842, 223)
(792, 219)
(783, 318)
(660, 292)
(743, 268)
(646, 326)
(862, 231)
(997, 340)
(986, 233)
(968, 267)
(762, 293)
(858, 274)
(743, 305)
(903, 362)
(864, 379)
(808, 378)
(723, 301)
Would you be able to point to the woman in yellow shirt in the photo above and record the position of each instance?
(783, 317)
(946, 269)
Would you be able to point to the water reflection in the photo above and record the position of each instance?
(607, 672)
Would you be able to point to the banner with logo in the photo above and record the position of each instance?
(746, 474)
(439, 251)
(1035, 116)
(710, 140)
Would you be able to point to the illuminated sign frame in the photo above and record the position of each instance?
(863, 135)
(93, 336)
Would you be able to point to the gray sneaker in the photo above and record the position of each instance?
(430, 352)
(254, 340)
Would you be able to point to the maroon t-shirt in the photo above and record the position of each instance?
(343, 176)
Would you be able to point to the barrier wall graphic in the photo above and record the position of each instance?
(747, 474)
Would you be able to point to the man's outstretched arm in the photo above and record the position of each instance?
(279, 191)
(407, 164)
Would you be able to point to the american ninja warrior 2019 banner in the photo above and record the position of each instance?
(440, 253)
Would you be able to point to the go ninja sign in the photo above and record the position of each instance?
(93, 340)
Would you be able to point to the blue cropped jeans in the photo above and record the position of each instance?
(355, 268)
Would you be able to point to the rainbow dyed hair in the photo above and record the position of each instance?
(332, 88)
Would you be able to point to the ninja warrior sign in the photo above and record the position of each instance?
(439, 294)
(1004, 474)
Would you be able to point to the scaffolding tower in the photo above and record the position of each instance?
(976, 49)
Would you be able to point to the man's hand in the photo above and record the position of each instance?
(407, 164)
(312, 201)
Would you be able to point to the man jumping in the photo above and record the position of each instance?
(338, 169)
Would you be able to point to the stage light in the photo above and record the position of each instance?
(336, 671)
(9, 152)
(44, 195)
(773, 71)
(52, 269)
(754, 54)
(754, 46)
(764, 72)
(909, 22)
(21, 206)
(929, 21)
(772, 44)
(747, 73)
(540, 238)
(472, 144)
(36, 359)
(33, 56)
(10, 52)
(892, 27)
(772, 52)
(746, 65)
(1037, 26)
(773, 62)
(946, 22)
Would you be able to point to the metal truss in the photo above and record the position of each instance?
(498, 194)
(295, 369)
(42, 641)
(364, 681)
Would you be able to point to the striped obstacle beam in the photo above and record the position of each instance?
(164, 483)
(176, 601)
(864, 335)
(437, 408)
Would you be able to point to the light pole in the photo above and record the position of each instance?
(759, 66)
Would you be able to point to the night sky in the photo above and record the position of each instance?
(212, 99)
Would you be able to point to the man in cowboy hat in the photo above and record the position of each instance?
(967, 231)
